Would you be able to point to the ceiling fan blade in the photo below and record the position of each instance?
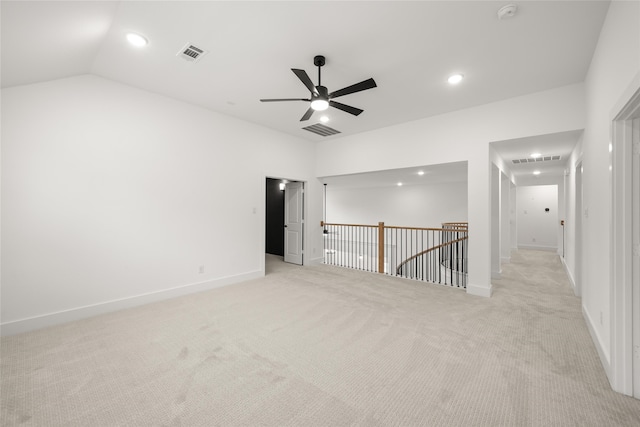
(284, 99)
(307, 114)
(304, 78)
(363, 85)
(348, 108)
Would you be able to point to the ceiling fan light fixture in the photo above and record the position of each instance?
(319, 104)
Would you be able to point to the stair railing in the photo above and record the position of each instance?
(429, 254)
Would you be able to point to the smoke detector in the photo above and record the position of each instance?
(508, 11)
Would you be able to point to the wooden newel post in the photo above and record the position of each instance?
(381, 247)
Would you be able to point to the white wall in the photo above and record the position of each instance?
(109, 193)
(505, 218)
(560, 182)
(615, 63)
(537, 229)
(459, 136)
(410, 205)
(496, 214)
(502, 214)
(571, 220)
(513, 219)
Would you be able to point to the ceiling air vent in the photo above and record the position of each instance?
(321, 130)
(535, 160)
(191, 53)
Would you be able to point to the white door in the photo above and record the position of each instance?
(293, 222)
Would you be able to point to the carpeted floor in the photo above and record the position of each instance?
(324, 346)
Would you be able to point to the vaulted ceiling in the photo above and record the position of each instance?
(409, 48)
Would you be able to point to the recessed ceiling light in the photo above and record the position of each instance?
(137, 40)
(324, 119)
(455, 79)
(536, 172)
(420, 172)
(399, 184)
(536, 155)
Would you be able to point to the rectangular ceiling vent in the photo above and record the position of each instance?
(191, 53)
(535, 160)
(321, 130)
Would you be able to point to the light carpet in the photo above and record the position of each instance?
(324, 346)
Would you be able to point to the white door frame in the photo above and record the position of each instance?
(621, 372)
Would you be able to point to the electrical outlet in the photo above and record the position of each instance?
(201, 269)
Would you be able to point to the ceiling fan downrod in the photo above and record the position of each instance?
(319, 61)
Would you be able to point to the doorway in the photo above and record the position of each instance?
(537, 217)
(284, 219)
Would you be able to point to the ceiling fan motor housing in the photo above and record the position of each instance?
(323, 93)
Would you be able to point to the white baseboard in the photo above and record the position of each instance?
(604, 355)
(78, 313)
(569, 275)
(539, 248)
(481, 291)
(496, 274)
(314, 261)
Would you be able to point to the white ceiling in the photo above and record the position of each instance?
(409, 48)
(431, 174)
(557, 144)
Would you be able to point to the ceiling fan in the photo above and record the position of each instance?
(321, 99)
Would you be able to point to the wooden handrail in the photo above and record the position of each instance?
(455, 225)
(426, 251)
(322, 224)
(460, 224)
(418, 228)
